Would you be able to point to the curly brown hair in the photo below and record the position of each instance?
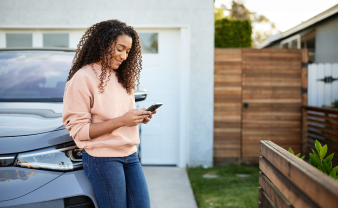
(96, 43)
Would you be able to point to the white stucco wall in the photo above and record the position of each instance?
(194, 17)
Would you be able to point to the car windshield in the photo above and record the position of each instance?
(34, 75)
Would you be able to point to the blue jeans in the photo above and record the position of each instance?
(118, 182)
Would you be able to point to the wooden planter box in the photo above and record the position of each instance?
(287, 181)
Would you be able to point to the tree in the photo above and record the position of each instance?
(262, 26)
(233, 33)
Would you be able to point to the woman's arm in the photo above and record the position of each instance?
(77, 118)
(131, 118)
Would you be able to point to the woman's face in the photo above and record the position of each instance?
(122, 48)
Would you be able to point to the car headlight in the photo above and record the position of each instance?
(62, 157)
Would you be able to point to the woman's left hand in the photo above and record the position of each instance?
(147, 119)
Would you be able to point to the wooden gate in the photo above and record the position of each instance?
(258, 96)
(323, 84)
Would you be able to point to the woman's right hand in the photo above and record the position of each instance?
(134, 117)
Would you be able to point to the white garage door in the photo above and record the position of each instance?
(160, 76)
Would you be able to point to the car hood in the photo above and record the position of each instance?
(24, 119)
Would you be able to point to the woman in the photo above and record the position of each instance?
(99, 113)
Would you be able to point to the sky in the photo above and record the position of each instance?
(285, 13)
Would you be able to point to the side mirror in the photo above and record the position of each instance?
(140, 95)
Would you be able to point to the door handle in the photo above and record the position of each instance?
(245, 105)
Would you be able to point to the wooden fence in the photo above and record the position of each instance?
(258, 94)
(320, 124)
(287, 181)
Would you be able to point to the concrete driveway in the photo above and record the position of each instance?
(169, 187)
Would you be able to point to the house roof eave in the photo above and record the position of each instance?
(319, 17)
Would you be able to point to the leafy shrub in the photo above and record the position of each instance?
(298, 155)
(318, 160)
(322, 163)
(232, 33)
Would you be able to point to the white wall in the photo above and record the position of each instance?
(195, 18)
(320, 93)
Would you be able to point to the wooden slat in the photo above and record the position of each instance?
(322, 189)
(288, 189)
(271, 123)
(323, 135)
(228, 55)
(227, 153)
(322, 110)
(309, 114)
(282, 100)
(282, 69)
(330, 131)
(224, 161)
(325, 123)
(331, 145)
(264, 199)
(276, 197)
(288, 139)
(250, 150)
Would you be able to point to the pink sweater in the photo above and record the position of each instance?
(84, 105)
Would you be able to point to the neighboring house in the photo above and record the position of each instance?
(318, 34)
(178, 62)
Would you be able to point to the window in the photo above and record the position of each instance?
(292, 42)
(285, 45)
(60, 40)
(310, 44)
(149, 42)
(19, 40)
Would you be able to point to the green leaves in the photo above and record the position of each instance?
(233, 33)
(329, 158)
(290, 150)
(323, 152)
(315, 153)
(333, 174)
(326, 167)
(318, 146)
(318, 160)
(314, 160)
(298, 155)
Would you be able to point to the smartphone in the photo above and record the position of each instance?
(154, 106)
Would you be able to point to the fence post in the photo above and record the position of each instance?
(304, 83)
(304, 75)
(304, 130)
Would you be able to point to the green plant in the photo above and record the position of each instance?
(298, 155)
(318, 160)
(233, 33)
